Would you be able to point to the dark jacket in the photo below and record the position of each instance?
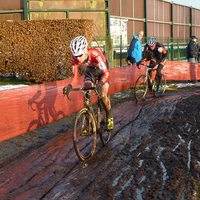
(192, 51)
(198, 48)
(146, 54)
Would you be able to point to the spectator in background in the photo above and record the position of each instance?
(134, 53)
(192, 51)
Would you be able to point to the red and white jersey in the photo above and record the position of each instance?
(96, 59)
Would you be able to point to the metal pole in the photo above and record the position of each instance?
(172, 31)
(11, 11)
(190, 22)
(146, 21)
(108, 17)
(178, 49)
(120, 50)
(172, 20)
(70, 10)
(25, 10)
(67, 14)
(168, 49)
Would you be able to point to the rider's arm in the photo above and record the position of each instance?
(74, 80)
(105, 71)
(145, 55)
(162, 55)
(99, 58)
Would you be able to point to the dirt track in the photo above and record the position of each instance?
(154, 154)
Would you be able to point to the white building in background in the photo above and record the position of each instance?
(118, 27)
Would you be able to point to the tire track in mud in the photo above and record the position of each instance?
(154, 154)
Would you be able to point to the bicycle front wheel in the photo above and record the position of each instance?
(85, 134)
(141, 88)
(160, 90)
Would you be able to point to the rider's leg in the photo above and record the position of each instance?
(107, 106)
(152, 65)
(88, 83)
(150, 75)
(160, 67)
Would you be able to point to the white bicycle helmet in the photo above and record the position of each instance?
(151, 41)
(78, 45)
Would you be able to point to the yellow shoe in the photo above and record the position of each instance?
(110, 125)
(86, 131)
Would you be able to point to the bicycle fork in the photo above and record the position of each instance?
(86, 119)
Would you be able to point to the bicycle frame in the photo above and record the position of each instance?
(148, 76)
(89, 105)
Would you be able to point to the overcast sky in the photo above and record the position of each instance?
(193, 3)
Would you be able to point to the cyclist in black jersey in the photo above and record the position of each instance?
(159, 57)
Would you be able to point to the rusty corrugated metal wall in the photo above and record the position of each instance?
(98, 17)
(158, 15)
(11, 5)
(181, 17)
(196, 22)
(162, 19)
(131, 10)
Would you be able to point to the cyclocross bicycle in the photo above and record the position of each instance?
(144, 83)
(88, 124)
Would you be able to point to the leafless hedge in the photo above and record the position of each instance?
(39, 50)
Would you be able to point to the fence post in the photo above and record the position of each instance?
(120, 50)
(109, 51)
(172, 49)
(146, 21)
(178, 49)
(25, 10)
(168, 50)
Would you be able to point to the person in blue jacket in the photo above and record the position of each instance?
(134, 53)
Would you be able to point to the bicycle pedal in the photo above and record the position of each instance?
(86, 134)
(103, 122)
(108, 130)
(99, 131)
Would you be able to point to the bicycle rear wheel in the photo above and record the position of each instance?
(141, 88)
(85, 134)
(160, 92)
(105, 135)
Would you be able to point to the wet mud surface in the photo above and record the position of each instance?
(154, 153)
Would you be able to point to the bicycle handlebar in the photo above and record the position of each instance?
(83, 89)
(147, 66)
(144, 64)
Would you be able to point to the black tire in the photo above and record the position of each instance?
(163, 85)
(141, 88)
(102, 125)
(105, 135)
(84, 144)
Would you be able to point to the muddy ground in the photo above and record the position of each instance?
(154, 153)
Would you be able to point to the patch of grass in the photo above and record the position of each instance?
(14, 81)
(198, 193)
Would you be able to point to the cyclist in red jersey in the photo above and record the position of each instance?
(96, 68)
(159, 57)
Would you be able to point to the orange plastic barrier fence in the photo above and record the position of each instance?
(28, 108)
